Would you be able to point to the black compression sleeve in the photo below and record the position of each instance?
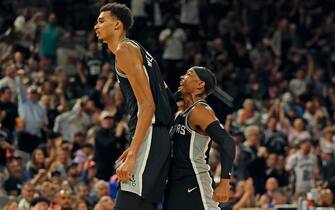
(227, 147)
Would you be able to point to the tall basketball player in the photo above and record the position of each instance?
(144, 165)
(190, 184)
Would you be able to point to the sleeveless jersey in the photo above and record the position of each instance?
(190, 149)
(163, 115)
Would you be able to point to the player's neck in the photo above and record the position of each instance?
(189, 100)
(113, 44)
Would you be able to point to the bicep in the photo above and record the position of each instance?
(131, 64)
(202, 117)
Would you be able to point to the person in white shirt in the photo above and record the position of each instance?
(173, 39)
(303, 164)
(71, 122)
(9, 81)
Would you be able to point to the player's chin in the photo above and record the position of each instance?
(180, 88)
(100, 38)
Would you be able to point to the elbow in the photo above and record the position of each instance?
(149, 107)
(233, 143)
(229, 147)
(152, 107)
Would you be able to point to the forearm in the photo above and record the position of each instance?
(21, 91)
(81, 74)
(146, 113)
(227, 147)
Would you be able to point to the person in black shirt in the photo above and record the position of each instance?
(190, 184)
(143, 167)
(108, 146)
(89, 67)
(9, 111)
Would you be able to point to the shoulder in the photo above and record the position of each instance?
(201, 115)
(125, 48)
(202, 110)
(128, 54)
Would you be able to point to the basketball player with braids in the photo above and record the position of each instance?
(143, 167)
(190, 184)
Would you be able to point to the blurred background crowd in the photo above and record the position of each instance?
(64, 120)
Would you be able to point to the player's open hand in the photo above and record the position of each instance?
(124, 171)
(122, 158)
(221, 192)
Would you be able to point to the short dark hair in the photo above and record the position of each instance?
(3, 89)
(121, 12)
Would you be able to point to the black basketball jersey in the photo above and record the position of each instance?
(163, 115)
(190, 149)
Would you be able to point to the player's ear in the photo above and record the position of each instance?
(200, 87)
(118, 25)
(201, 84)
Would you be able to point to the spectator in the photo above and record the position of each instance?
(109, 143)
(6, 50)
(40, 203)
(248, 152)
(326, 198)
(9, 81)
(71, 122)
(37, 162)
(298, 85)
(83, 154)
(140, 9)
(33, 116)
(101, 189)
(280, 172)
(274, 139)
(280, 197)
(11, 205)
(50, 38)
(266, 200)
(248, 199)
(89, 65)
(73, 176)
(96, 94)
(81, 205)
(46, 103)
(64, 200)
(328, 166)
(304, 166)
(25, 29)
(83, 193)
(48, 189)
(271, 162)
(9, 110)
(248, 115)
(19, 61)
(16, 177)
(297, 132)
(90, 176)
(190, 17)
(327, 139)
(27, 193)
(61, 162)
(173, 39)
(105, 203)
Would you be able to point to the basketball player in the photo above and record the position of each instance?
(144, 165)
(190, 184)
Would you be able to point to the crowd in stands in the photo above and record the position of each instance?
(64, 119)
